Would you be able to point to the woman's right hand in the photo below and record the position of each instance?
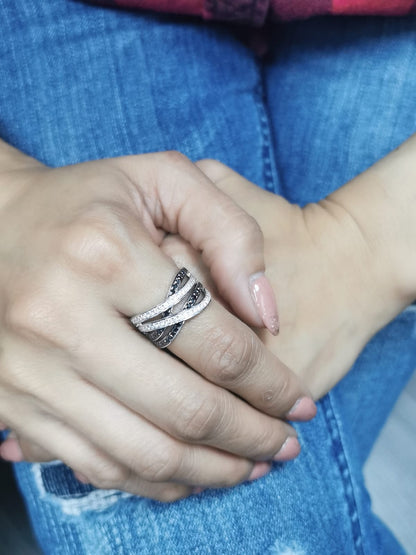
(79, 255)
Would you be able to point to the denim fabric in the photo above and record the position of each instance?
(81, 82)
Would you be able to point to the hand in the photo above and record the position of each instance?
(80, 253)
(332, 293)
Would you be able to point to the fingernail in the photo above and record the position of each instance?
(81, 478)
(303, 409)
(264, 299)
(289, 450)
(10, 451)
(260, 469)
(2, 426)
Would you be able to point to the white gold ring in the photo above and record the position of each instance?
(186, 299)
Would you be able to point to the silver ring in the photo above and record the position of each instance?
(186, 298)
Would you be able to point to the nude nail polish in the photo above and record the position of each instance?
(289, 450)
(303, 409)
(264, 299)
(10, 451)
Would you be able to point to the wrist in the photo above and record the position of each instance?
(377, 211)
(381, 205)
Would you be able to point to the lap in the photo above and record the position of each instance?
(81, 83)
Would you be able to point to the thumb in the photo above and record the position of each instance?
(184, 200)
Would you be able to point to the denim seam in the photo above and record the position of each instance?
(270, 175)
(345, 473)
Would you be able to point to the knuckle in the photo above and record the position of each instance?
(176, 158)
(162, 466)
(229, 355)
(18, 313)
(94, 244)
(249, 235)
(32, 313)
(42, 313)
(199, 418)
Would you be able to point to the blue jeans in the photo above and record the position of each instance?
(79, 82)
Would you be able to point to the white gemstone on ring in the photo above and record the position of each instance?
(170, 301)
(185, 314)
(186, 298)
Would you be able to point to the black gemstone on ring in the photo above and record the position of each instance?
(163, 337)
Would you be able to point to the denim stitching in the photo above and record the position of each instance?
(270, 175)
(338, 451)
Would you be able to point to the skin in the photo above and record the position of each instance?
(78, 383)
(354, 249)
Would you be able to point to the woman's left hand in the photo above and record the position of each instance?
(332, 294)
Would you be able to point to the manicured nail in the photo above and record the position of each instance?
(10, 451)
(260, 469)
(81, 478)
(265, 301)
(289, 450)
(303, 409)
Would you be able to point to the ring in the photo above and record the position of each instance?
(186, 298)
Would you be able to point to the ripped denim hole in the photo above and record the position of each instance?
(56, 483)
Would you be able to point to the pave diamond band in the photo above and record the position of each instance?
(162, 323)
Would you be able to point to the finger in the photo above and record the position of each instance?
(229, 354)
(241, 190)
(11, 451)
(149, 452)
(185, 255)
(17, 449)
(143, 280)
(32, 452)
(177, 400)
(202, 467)
(230, 240)
(44, 435)
(114, 429)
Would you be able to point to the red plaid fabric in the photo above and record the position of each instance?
(255, 12)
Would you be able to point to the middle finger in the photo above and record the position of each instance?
(169, 394)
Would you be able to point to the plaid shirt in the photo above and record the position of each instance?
(255, 12)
